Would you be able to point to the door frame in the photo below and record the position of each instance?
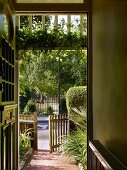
(68, 8)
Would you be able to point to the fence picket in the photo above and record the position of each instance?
(58, 128)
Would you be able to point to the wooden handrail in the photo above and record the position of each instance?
(100, 158)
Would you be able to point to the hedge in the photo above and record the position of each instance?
(76, 97)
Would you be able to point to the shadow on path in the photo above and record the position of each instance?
(44, 160)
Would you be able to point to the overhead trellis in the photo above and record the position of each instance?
(41, 39)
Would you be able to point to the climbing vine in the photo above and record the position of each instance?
(62, 36)
(37, 39)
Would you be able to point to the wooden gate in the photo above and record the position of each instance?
(59, 129)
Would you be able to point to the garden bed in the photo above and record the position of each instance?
(26, 158)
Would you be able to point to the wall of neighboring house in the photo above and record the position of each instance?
(109, 47)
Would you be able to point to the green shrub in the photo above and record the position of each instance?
(30, 107)
(76, 97)
(49, 110)
(63, 108)
(79, 119)
(24, 143)
(40, 113)
(76, 147)
(76, 143)
(24, 97)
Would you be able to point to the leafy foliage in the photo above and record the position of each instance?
(63, 108)
(25, 95)
(39, 68)
(24, 143)
(39, 71)
(52, 36)
(79, 118)
(39, 38)
(76, 146)
(76, 143)
(76, 99)
(30, 107)
(49, 110)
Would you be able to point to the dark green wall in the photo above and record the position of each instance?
(109, 47)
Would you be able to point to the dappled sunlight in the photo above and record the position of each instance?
(43, 160)
(44, 156)
(44, 168)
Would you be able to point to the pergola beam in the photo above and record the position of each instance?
(28, 8)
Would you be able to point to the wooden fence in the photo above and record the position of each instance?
(59, 129)
(27, 121)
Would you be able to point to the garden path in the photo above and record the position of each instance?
(44, 160)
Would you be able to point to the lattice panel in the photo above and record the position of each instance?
(7, 72)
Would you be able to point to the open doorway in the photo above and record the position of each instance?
(47, 72)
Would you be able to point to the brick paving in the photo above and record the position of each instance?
(44, 160)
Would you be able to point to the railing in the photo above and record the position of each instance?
(37, 30)
(27, 121)
(56, 21)
(28, 116)
(99, 158)
(59, 129)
